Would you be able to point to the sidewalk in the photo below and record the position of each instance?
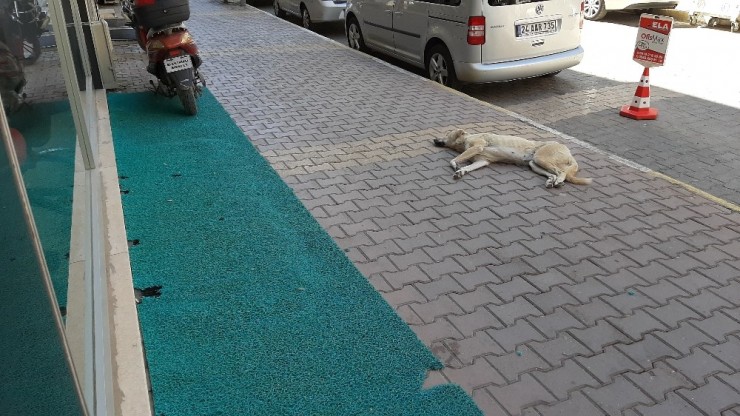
(622, 297)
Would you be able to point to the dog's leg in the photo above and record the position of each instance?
(478, 163)
(551, 177)
(467, 154)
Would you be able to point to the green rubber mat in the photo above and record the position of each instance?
(254, 309)
(48, 172)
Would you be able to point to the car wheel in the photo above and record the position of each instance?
(440, 67)
(354, 35)
(278, 11)
(306, 18)
(594, 9)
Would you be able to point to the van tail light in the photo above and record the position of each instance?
(583, 14)
(476, 30)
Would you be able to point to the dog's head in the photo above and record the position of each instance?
(453, 139)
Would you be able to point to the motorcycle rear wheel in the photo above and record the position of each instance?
(187, 98)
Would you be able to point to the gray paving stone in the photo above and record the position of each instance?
(518, 286)
(608, 364)
(554, 351)
(440, 307)
(705, 303)
(712, 398)
(698, 366)
(545, 281)
(730, 292)
(593, 311)
(617, 396)
(663, 291)
(659, 381)
(479, 320)
(512, 336)
(510, 312)
(548, 301)
(515, 397)
(673, 313)
(647, 351)
(727, 352)
(513, 365)
(469, 349)
(684, 338)
(718, 326)
(624, 279)
(637, 325)
(674, 405)
(554, 323)
(587, 290)
(561, 382)
(479, 374)
(487, 403)
(472, 299)
(576, 404)
(582, 271)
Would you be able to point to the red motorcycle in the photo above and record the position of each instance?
(173, 55)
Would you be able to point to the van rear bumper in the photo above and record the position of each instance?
(524, 68)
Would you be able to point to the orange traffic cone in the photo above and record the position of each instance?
(640, 108)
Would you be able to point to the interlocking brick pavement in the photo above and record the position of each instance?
(615, 298)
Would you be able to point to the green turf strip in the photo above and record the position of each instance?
(260, 312)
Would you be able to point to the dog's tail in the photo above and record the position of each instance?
(578, 181)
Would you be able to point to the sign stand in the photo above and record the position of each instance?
(650, 51)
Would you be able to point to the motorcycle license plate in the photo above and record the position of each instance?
(178, 63)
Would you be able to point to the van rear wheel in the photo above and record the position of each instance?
(354, 35)
(306, 18)
(440, 67)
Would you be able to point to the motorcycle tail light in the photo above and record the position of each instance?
(155, 45)
(141, 3)
(175, 52)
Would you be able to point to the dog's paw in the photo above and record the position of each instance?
(550, 183)
(458, 174)
(454, 165)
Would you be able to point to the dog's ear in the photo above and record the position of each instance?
(456, 134)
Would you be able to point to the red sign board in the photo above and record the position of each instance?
(652, 40)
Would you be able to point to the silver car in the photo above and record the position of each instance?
(311, 11)
(596, 9)
(472, 41)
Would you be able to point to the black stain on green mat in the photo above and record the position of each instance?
(148, 292)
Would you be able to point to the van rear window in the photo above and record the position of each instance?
(511, 2)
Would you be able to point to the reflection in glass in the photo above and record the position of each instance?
(41, 116)
(37, 377)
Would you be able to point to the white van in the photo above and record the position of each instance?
(472, 41)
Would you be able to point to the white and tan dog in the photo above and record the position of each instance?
(550, 159)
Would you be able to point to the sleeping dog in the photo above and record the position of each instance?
(550, 159)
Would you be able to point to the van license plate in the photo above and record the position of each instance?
(536, 28)
(178, 63)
